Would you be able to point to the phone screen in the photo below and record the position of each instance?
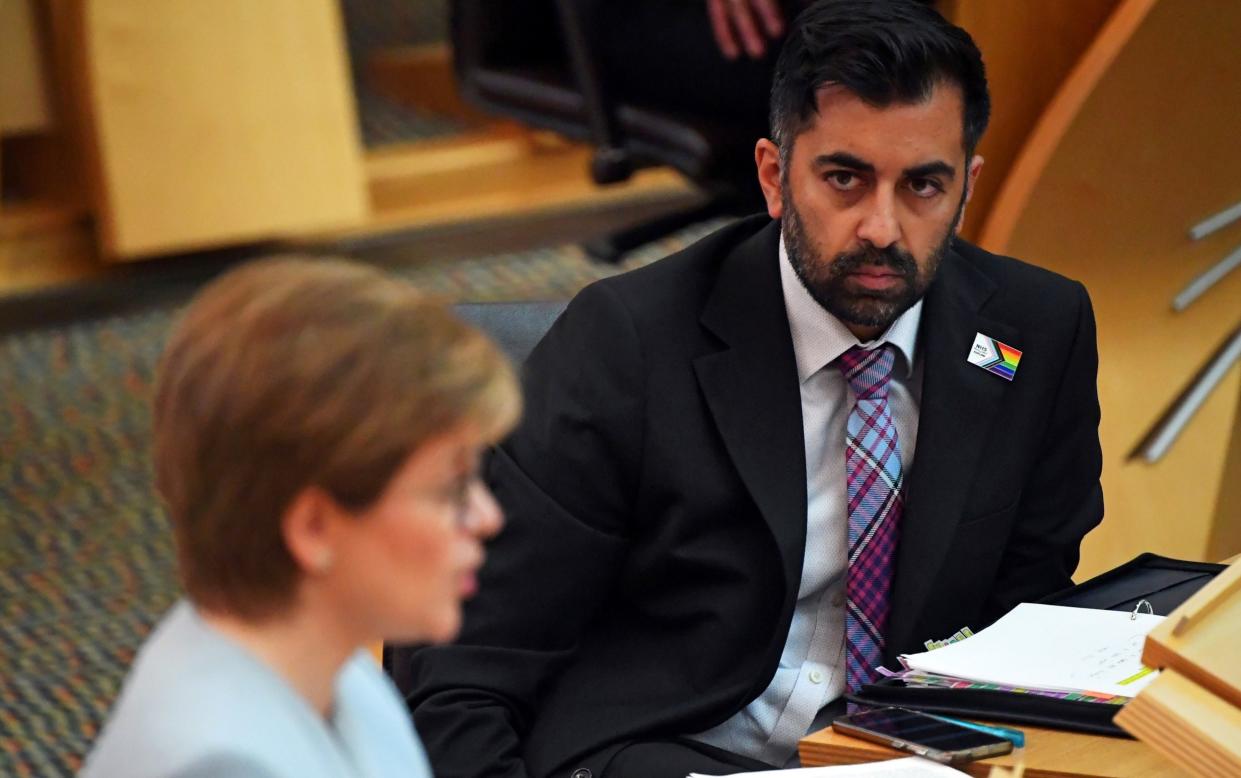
(924, 730)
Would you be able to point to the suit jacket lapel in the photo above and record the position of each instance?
(752, 391)
(958, 410)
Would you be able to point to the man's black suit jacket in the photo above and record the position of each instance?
(656, 502)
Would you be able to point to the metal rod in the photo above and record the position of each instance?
(1172, 423)
(1199, 286)
(582, 57)
(1216, 222)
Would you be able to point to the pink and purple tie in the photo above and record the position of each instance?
(873, 470)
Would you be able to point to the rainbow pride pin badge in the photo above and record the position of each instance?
(994, 356)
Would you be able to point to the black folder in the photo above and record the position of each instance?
(1164, 583)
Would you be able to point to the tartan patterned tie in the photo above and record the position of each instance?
(873, 470)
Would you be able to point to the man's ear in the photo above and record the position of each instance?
(308, 530)
(767, 160)
(971, 178)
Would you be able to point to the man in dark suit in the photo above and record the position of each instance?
(751, 472)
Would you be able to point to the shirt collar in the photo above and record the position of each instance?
(819, 337)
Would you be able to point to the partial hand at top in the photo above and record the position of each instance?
(745, 25)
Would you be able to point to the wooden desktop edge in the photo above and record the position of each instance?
(1048, 754)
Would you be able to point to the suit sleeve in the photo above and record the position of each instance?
(565, 480)
(1062, 499)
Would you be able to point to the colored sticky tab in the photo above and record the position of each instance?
(994, 357)
(961, 634)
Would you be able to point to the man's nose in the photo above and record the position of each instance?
(879, 225)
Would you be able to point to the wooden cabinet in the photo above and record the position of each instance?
(23, 88)
(217, 122)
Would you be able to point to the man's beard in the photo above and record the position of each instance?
(826, 281)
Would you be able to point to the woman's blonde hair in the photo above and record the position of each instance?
(291, 373)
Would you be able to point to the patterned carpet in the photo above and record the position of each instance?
(383, 121)
(86, 563)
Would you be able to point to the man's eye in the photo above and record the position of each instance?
(842, 180)
(925, 187)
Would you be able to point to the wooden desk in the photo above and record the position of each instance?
(1048, 754)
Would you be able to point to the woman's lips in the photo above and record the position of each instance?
(467, 579)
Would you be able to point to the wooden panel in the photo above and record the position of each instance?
(495, 173)
(48, 168)
(1060, 113)
(1187, 724)
(1138, 146)
(45, 237)
(1048, 754)
(1199, 639)
(23, 90)
(41, 245)
(220, 122)
(1029, 48)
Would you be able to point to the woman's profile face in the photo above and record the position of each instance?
(404, 565)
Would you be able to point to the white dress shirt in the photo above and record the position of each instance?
(811, 672)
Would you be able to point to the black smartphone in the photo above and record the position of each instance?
(923, 735)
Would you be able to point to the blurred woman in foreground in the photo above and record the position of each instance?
(317, 429)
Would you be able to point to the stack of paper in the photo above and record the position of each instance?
(1046, 649)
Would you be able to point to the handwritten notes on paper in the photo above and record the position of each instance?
(1050, 647)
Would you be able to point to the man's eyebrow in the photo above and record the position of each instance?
(843, 159)
(846, 160)
(936, 168)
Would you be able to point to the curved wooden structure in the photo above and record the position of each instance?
(1053, 125)
(1140, 144)
(1029, 49)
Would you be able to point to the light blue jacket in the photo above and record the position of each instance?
(197, 704)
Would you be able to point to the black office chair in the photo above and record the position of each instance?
(535, 61)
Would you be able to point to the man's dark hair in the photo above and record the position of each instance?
(883, 51)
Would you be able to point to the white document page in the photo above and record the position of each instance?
(912, 767)
(1051, 647)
